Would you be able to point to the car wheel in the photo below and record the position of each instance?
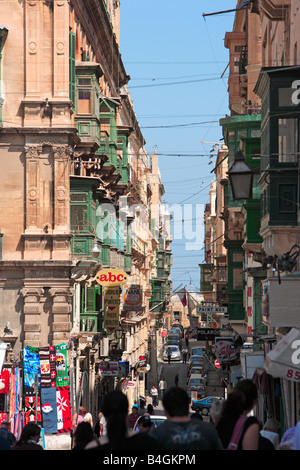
(204, 411)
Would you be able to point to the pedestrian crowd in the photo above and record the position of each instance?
(232, 426)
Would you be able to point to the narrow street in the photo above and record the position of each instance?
(169, 371)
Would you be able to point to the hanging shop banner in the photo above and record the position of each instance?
(207, 334)
(142, 364)
(48, 366)
(49, 410)
(3, 347)
(63, 404)
(108, 369)
(32, 365)
(111, 277)
(62, 378)
(225, 349)
(111, 307)
(4, 381)
(132, 297)
(32, 405)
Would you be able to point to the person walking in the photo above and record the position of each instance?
(83, 435)
(185, 352)
(154, 394)
(133, 417)
(176, 380)
(236, 407)
(179, 431)
(29, 438)
(271, 431)
(187, 339)
(119, 436)
(162, 387)
(169, 354)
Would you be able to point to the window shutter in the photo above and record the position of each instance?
(90, 299)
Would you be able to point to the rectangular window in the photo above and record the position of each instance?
(78, 216)
(237, 278)
(287, 140)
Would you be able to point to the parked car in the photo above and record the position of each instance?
(175, 333)
(198, 351)
(157, 420)
(196, 360)
(177, 325)
(205, 404)
(175, 353)
(174, 342)
(196, 384)
(196, 370)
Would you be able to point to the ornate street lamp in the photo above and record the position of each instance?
(119, 332)
(240, 177)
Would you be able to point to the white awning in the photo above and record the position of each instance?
(284, 359)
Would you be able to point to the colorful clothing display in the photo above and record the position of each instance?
(32, 407)
(4, 381)
(64, 419)
(49, 410)
(48, 366)
(32, 365)
(62, 378)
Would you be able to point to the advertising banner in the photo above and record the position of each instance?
(111, 307)
(225, 349)
(132, 297)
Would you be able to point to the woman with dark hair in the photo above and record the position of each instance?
(239, 403)
(83, 435)
(29, 438)
(119, 436)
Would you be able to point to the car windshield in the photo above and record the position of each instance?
(173, 348)
(198, 351)
(195, 382)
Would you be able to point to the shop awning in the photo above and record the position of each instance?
(284, 359)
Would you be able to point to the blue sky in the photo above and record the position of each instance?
(175, 58)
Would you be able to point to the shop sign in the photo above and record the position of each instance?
(111, 308)
(111, 277)
(142, 365)
(108, 369)
(207, 334)
(132, 297)
(225, 349)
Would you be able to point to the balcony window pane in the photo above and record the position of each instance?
(84, 101)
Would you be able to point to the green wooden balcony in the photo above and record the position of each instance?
(82, 244)
(91, 322)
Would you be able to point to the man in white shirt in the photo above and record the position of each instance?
(162, 386)
(103, 426)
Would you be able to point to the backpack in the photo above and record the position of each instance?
(237, 432)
